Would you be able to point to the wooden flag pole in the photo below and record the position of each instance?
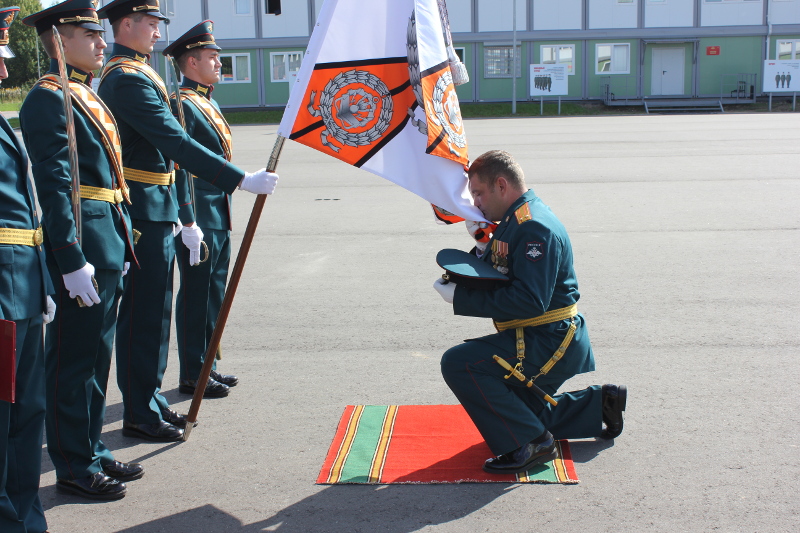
(230, 292)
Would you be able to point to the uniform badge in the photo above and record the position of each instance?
(534, 251)
(500, 248)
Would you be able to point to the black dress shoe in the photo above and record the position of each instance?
(174, 418)
(98, 486)
(159, 432)
(123, 471)
(614, 399)
(524, 458)
(226, 379)
(214, 389)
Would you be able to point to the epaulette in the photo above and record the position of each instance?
(49, 85)
(129, 70)
(523, 213)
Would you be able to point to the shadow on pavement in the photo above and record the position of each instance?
(350, 508)
(584, 451)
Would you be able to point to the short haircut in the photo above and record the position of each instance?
(137, 17)
(67, 30)
(495, 163)
(184, 58)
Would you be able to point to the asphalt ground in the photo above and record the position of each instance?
(686, 232)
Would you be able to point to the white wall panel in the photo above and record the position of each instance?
(498, 15)
(612, 14)
(292, 22)
(728, 13)
(560, 15)
(669, 14)
(785, 12)
(229, 25)
(460, 14)
(188, 14)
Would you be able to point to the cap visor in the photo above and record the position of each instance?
(91, 26)
(6, 53)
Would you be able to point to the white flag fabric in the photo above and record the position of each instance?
(375, 91)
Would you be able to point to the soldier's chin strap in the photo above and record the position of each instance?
(556, 315)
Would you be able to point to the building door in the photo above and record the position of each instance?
(668, 68)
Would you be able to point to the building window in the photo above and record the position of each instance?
(727, 1)
(235, 68)
(243, 7)
(460, 53)
(625, 1)
(559, 54)
(788, 50)
(613, 58)
(285, 65)
(498, 61)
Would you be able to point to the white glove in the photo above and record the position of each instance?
(473, 228)
(50, 314)
(192, 237)
(446, 290)
(79, 284)
(261, 182)
(125, 268)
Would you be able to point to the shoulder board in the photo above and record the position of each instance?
(129, 70)
(49, 85)
(523, 213)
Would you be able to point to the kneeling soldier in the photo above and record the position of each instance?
(87, 255)
(494, 377)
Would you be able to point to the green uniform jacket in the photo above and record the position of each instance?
(212, 205)
(107, 231)
(24, 282)
(536, 254)
(152, 138)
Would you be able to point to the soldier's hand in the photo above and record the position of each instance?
(261, 182)
(446, 290)
(192, 237)
(125, 268)
(50, 313)
(79, 284)
(481, 232)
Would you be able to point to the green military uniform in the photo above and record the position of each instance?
(202, 286)
(531, 247)
(24, 285)
(79, 340)
(151, 140)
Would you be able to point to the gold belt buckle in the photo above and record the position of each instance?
(172, 177)
(38, 236)
(117, 196)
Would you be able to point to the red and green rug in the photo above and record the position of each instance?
(384, 444)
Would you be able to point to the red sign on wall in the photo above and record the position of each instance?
(712, 50)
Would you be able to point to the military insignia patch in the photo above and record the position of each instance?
(534, 251)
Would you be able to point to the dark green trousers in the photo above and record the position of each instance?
(199, 299)
(507, 414)
(21, 425)
(78, 360)
(145, 313)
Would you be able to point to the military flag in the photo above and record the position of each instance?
(376, 90)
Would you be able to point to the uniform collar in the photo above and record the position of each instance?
(121, 50)
(205, 90)
(74, 74)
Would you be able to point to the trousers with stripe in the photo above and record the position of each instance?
(143, 325)
(77, 362)
(21, 425)
(507, 414)
(200, 299)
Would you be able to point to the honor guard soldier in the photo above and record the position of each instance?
(203, 286)
(88, 241)
(24, 305)
(507, 381)
(152, 142)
